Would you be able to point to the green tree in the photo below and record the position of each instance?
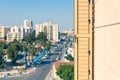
(42, 36)
(5, 37)
(30, 38)
(66, 72)
(48, 45)
(27, 38)
(32, 52)
(33, 36)
(24, 46)
(12, 51)
(69, 57)
(15, 40)
(2, 62)
(3, 45)
(19, 46)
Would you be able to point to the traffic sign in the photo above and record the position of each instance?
(5, 77)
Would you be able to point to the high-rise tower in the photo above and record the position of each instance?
(28, 26)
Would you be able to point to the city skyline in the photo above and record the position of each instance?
(60, 12)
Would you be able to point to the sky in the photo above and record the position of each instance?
(14, 12)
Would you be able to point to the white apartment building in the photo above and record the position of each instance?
(55, 32)
(28, 26)
(3, 31)
(38, 28)
(50, 29)
(15, 33)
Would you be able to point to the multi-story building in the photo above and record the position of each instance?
(28, 26)
(3, 31)
(38, 29)
(50, 29)
(15, 33)
(55, 32)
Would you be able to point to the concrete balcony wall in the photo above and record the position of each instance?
(107, 40)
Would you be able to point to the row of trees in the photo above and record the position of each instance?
(30, 38)
(41, 39)
(13, 49)
(26, 45)
(2, 46)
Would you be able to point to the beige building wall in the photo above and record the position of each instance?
(50, 29)
(3, 32)
(38, 28)
(107, 40)
(15, 33)
(45, 27)
(55, 32)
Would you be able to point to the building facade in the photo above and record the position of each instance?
(3, 32)
(50, 29)
(55, 32)
(28, 26)
(15, 33)
(84, 39)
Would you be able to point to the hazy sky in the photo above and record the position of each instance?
(13, 12)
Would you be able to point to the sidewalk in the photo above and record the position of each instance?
(15, 73)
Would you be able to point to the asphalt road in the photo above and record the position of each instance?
(43, 69)
(40, 73)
